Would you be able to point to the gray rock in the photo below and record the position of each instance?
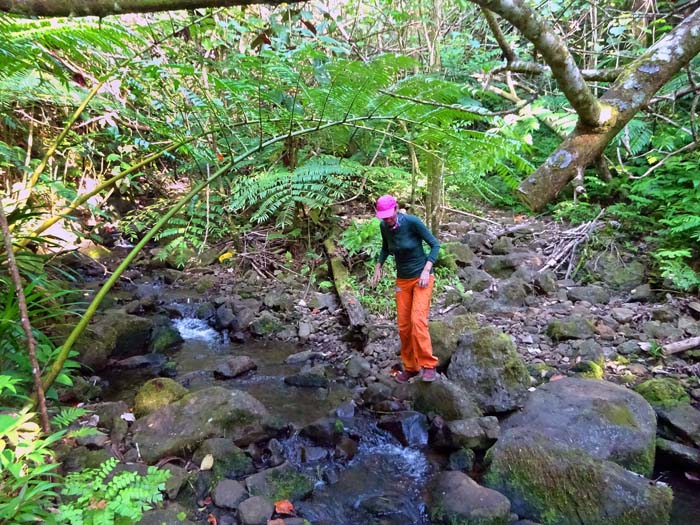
(572, 327)
(224, 318)
(682, 419)
(445, 334)
(455, 498)
(178, 478)
(358, 366)
(304, 330)
(445, 398)
(283, 482)
(607, 421)
(488, 366)
(513, 292)
(230, 461)
(622, 315)
(211, 412)
(473, 432)
(409, 428)
(552, 481)
(255, 511)
(235, 366)
(593, 294)
(167, 516)
(314, 377)
(301, 357)
(474, 279)
(641, 293)
(229, 494)
(677, 454)
(617, 274)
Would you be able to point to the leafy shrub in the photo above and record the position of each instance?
(103, 497)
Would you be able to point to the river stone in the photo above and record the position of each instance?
(409, 428)
(169, 516)
(181, 426)
(255, 511)
(326, 431)
(684, 420)
(513, 292)
(488, 366)
(572, 327)
(554, 482)
(312, 377)
(475, 432)
(165, 338)
(229, 494)
(454, 498)
(605, 420)
(358, 366)
(266, 324)
(444, 398)
(278, 483)
(444, 336)
(235, 366)
(157, 393)
(115, 334)
(474, 279)
(593, 294)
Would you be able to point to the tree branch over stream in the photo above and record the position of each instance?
(57, 8)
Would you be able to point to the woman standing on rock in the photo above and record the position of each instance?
(403, 236)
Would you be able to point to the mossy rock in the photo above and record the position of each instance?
(165, 338)
(444, 335)
(279, 483)
(573, 327)
(156, 394)
(588, 369)
(557, 484)
(663, 392)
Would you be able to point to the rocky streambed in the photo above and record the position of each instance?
(554, 402)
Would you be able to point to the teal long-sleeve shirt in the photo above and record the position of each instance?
(406, 245)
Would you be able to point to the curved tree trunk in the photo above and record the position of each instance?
(633, 89)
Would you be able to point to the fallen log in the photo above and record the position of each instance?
(341, 280)
(676, 347)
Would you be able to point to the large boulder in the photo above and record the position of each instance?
(604, 420)
(115, 334)
(157, 393)
(487, 365)
(444, 336)
(619, 275)
(444, 398)
(181, 426)
(454, 498)
(555, 483)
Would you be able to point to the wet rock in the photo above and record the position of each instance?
(211, 412)
(152, 360)
(455, 498)
(156, 394)
(224, 318)
(283, 482)
(605, 420)
(346, 449)
(385, 507)
(488, 366)
(229, 460)
(409, 428)
(444, 336)
(235, 366)
(300, 358)
(255, 511)
(573, 327)
(314, 377)
(326, 431)
(313, 454)
(229, 494)
(116, 334)
(165, 339)
(205, 311)
(462, 459)
(476, 432)
(445, 398)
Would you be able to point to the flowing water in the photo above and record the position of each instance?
(381, 485)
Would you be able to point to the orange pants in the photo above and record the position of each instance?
(412, 308)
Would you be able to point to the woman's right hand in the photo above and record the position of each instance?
(377, 275)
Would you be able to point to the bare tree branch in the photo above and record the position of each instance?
(592, 113)
(24, 320)
(55, 8)
(508, 53)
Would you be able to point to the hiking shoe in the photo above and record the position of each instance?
(404, 376)
(428, 375)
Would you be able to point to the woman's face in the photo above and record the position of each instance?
(391, 221)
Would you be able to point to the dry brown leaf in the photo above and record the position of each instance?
(207, 462)
(284, 506)
(211, 520)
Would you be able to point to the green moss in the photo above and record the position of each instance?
(588, 369)
(664, 392)
(338, 426)
(156, 394)
(289, 484)
(619, 415)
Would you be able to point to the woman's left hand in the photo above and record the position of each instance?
(424, 279)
